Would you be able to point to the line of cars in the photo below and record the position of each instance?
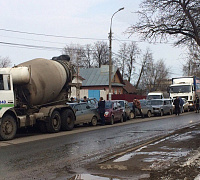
(121, 110)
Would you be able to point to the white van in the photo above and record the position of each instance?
(155, 95)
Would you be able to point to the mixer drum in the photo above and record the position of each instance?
(47, 80)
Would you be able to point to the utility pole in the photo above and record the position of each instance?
(110, 54)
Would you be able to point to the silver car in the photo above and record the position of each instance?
(126, 109)
(162, 106)
(85, 113)
(146, 108)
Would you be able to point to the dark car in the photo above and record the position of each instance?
(113, 112)
(85, 113)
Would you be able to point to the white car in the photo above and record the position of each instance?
(185, 105)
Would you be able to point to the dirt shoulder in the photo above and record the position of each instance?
(174, 157)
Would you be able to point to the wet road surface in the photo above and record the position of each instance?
(66, 154)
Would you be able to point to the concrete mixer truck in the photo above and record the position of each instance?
(36, 92)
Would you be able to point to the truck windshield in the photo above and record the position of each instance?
(154, 97)
(4, 82)
(180, 89)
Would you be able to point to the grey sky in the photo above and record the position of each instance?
(72, 18)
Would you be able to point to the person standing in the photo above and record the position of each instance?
(197, 104)
(85, 99)
(101, 108)
(177, 106)
(137, 104)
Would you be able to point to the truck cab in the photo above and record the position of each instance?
(6, 93)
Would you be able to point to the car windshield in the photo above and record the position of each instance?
(130, 104)
(121, 103)
(108, 105)
(156, 102)
(143, 103)
(180, 89)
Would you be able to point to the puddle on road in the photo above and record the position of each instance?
(92, 177)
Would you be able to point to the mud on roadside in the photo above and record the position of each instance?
(174, 157)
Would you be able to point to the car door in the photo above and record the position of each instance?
(87, 112)
(115, 111)
(79, 113)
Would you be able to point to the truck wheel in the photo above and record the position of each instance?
(93, 121)
(54, 123)
(8, 128)
(67, 120)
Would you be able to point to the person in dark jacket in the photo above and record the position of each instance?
(101, 108)
(197, 104)
(177, 106)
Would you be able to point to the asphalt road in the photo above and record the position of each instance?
(57, 156)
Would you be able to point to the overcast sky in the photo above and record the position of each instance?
(76, 22)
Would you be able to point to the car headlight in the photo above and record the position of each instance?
(106, 113)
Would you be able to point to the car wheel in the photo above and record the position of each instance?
(149, 114)
(93, 121)
(132, 115)
(112, 120)
(161, 113)
(122, 119)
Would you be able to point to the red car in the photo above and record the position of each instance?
(113, 112)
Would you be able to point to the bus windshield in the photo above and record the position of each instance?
(180, 89)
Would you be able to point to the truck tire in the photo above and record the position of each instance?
(67, 120)
(8, 128)
(54, 123)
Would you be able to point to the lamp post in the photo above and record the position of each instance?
(110, 53)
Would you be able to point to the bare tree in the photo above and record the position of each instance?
(147, 60)
(192, 66)
(121, 58)
(88, 61)
(5, 62)
(101, 53)
(132, 53)
(154, 73)
(76, 53)
(177, 18)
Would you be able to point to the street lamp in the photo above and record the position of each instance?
(110, 53)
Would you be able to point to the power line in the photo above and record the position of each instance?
(51, 35)
(30, 46)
